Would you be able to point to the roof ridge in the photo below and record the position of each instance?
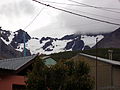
(13, 59)
(15, 63)
(102, 59)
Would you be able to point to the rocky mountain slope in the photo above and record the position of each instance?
(8, 42)
(12, 43)
(111, 40)
(7, 51)
(47, 45)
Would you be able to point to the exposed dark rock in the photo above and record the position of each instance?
(35, 38)
(47, 44)
(111, 40)
(68, 37)
(78, 45)
(7, 51)
(19, 38)
(48, 49)
(44, 39)
(5, 34)
(87, 47)
(69, 45)
(47, 38)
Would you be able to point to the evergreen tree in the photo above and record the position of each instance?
(65, 75)
(36, 78)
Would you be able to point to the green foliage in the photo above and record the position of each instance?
(36, 78)
(64, 55)
(67, 75)
(103, 52)
(78, 77)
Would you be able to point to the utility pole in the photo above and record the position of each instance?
(0, 41)
(110, 52)
(96, 62)
(24, 40)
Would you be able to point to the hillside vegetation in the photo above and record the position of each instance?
(101, 52)
(64, 55)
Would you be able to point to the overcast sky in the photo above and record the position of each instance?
(17, 14)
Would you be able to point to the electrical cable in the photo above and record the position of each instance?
(34, 18)
(95, 19)
(90, 13)
(62, 3)
(79, 5)
(94, 6)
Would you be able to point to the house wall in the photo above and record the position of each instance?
(116, 77)
(104, 72)
(6, 82)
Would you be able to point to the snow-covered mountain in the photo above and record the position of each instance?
(6, 50)
(48, 45)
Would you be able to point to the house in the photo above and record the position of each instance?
(107, 73)
(13, 71)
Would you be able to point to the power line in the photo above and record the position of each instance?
(105, 9)
(24, 34)
(63, 3)
(34, 18)
(90, 13)
(79, 5)
(112, 23)
(82, 11)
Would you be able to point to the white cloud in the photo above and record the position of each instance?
(16, 8)
(16, 14)
(67, 23)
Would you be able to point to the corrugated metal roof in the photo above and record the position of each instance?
(15, 63)
(50, 61)
(113, 62)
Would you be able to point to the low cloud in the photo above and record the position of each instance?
(82, 25)
(67, 23)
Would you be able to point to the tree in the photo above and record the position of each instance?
(65, 75)
(36, 78)
(78, 77)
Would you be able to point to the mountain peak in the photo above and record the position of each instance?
(20, 30)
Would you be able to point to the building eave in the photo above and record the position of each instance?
(113, 62)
